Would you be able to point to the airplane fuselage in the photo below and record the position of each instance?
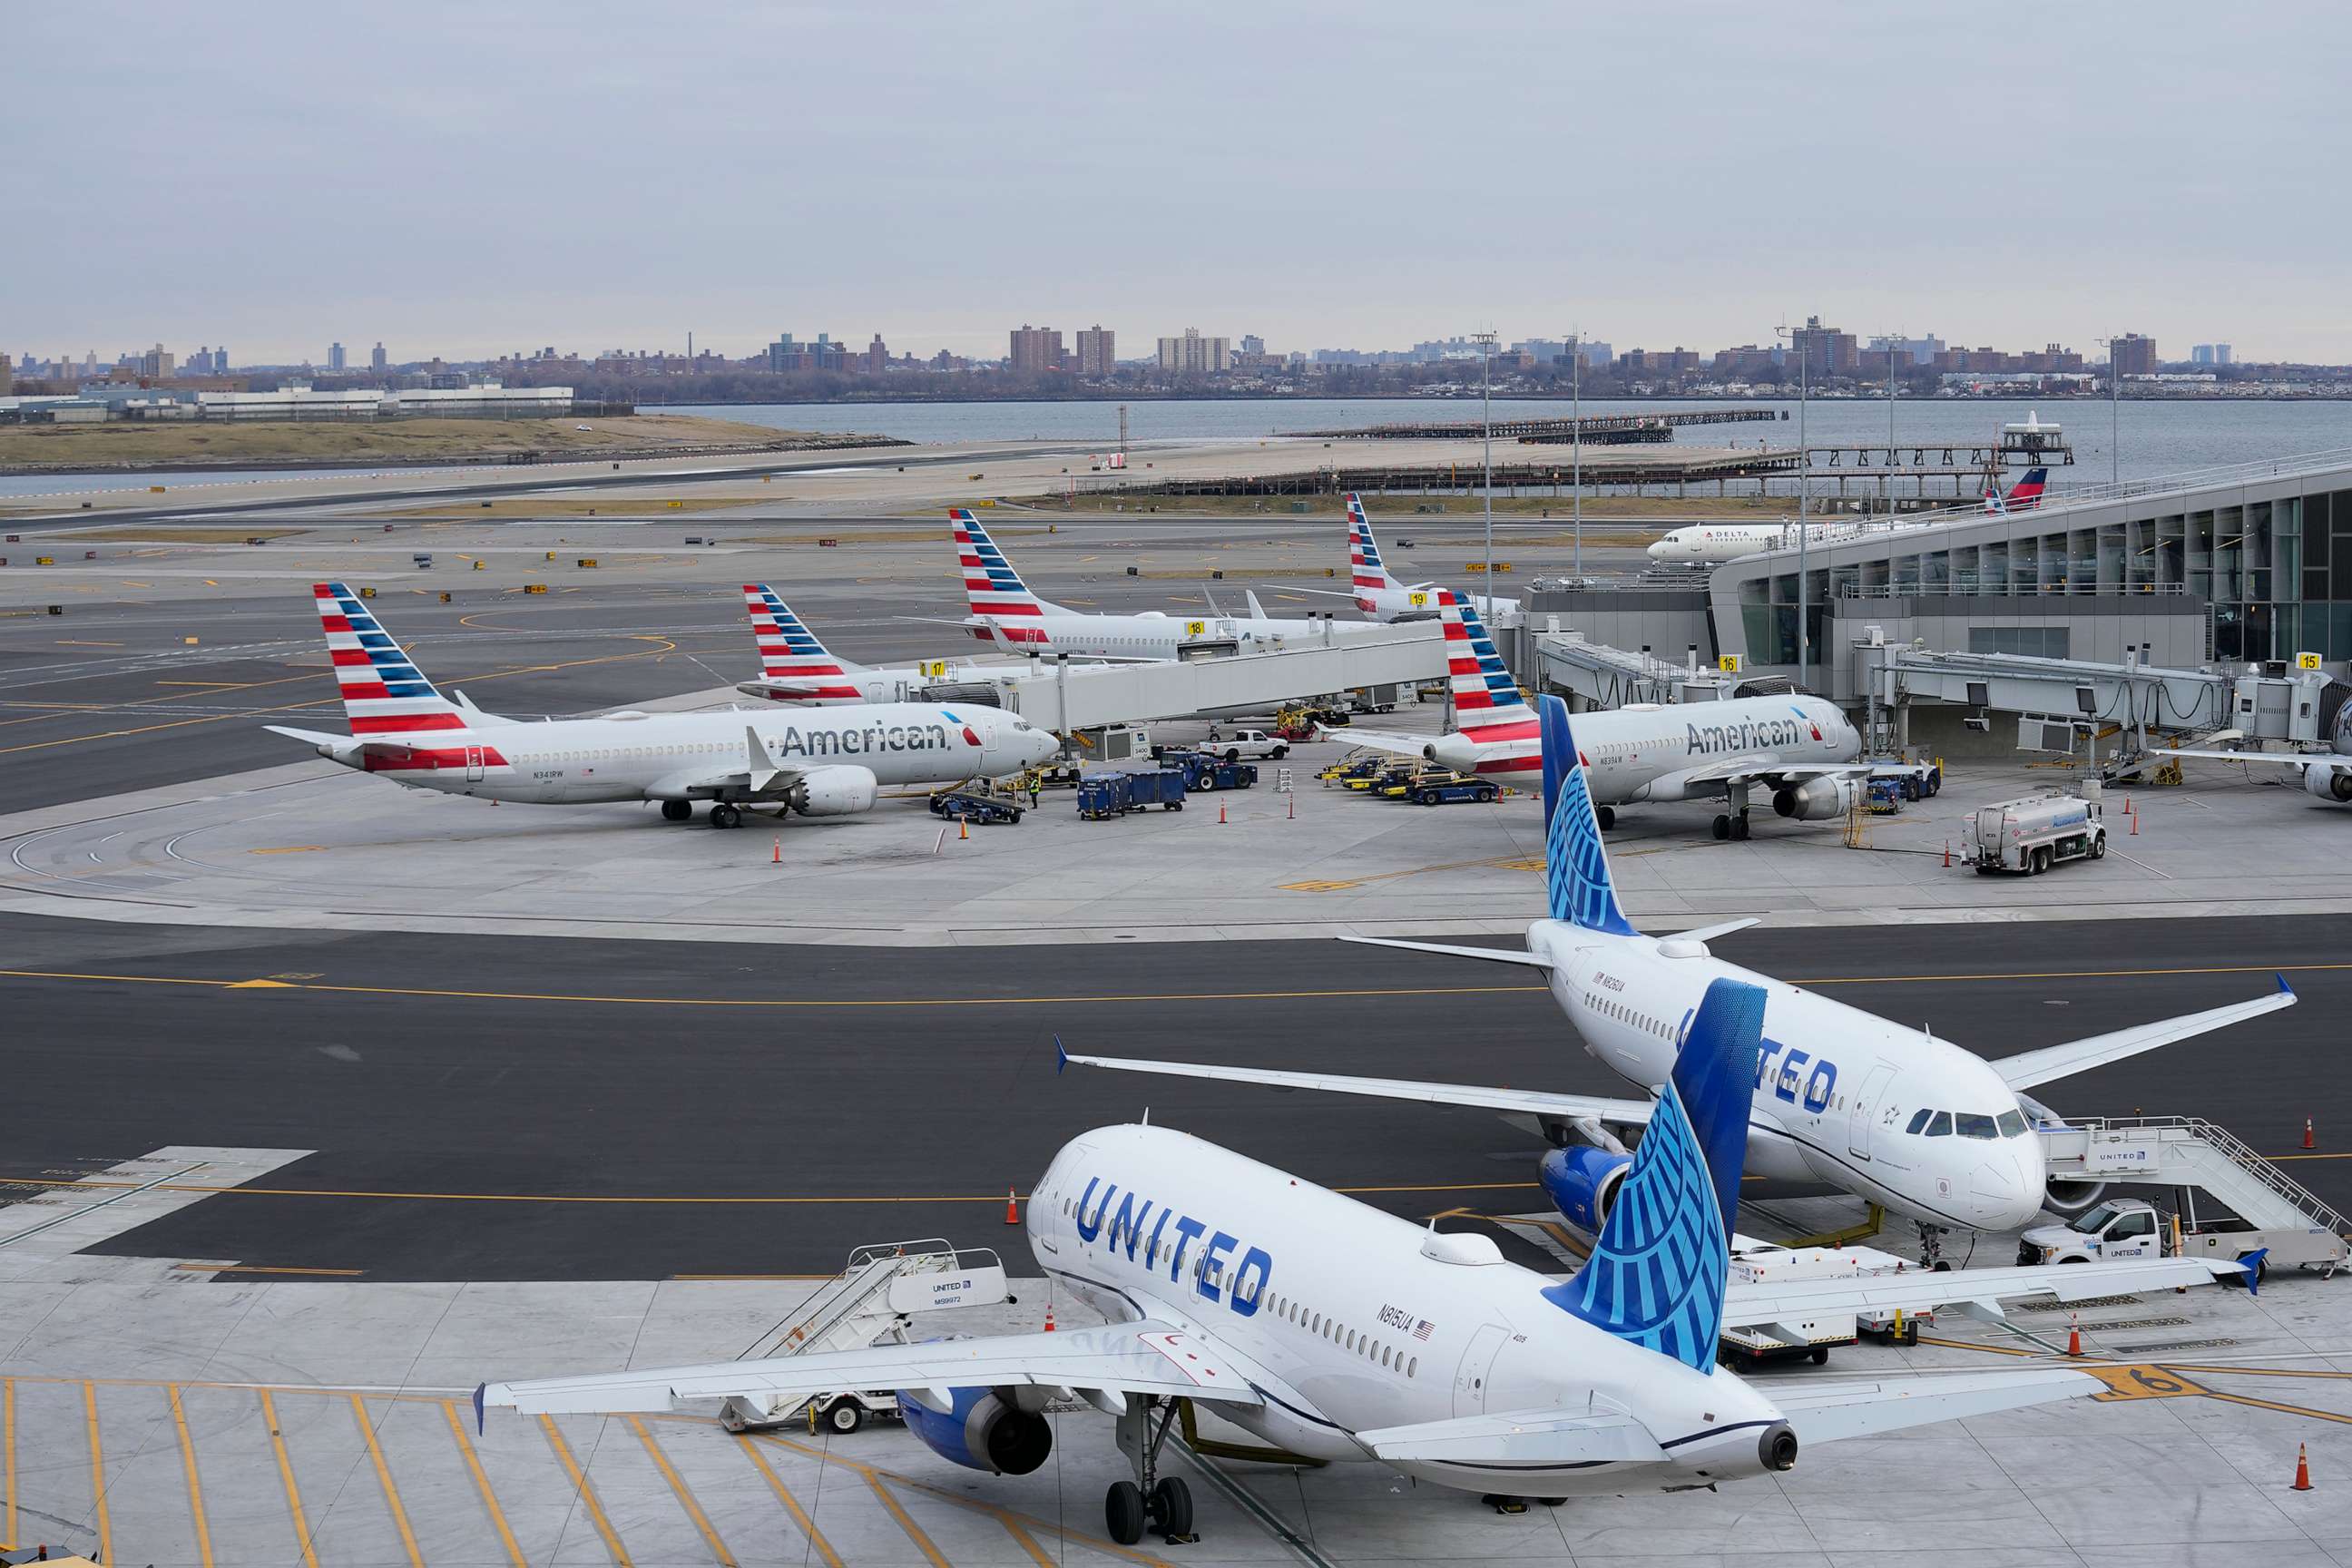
(1353, 1325)
(1651, 753)
(1836, 1089)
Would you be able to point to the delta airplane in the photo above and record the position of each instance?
(1896, 1116)
(1799, 750)
(1334, 1332)
(1376, 591)
(1714, 544)
(819, 762)
(1003, 611)
(798, 670)
(2326, 774)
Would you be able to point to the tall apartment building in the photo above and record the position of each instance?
(1035, 348)
(1823, 351)
(1097, 350)
(336, 358)
(7, 375)
(376, 360)
(2132, 354)
(1194, 354)
(877, 356)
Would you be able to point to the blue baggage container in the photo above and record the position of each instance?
(1102, 796)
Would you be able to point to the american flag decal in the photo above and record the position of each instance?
(1423, 1329)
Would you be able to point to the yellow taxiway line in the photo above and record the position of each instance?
(383, 1478)
(482, 1485)
(587, 1494)
(195, 1489)
(98, 1476)
(286, 1476)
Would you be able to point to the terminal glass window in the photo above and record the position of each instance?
(2037, 642)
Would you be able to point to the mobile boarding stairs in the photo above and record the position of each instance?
(2192, 1155)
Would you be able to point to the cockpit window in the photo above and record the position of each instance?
(1972, 1125)
(2013, 1124)
(1918, 1122)
(1940, 1125)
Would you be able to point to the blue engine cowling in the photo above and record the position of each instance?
(983, 1429)
(1582, 1183)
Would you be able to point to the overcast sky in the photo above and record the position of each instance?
(464, 179)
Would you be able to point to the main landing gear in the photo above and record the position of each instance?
(1729, 824)
(1162, 1502)
(722, 814)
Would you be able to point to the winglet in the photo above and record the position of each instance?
(480, 1389)
(1061, 1057)
(2253, 1264)
(2284, 987)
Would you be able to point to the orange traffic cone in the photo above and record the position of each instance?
(2310, 1138)
(1049, 1317)
(1294, 808)
(2074, 1334)
(778, 857)
(1221, 813)
(2135, 832)
(964, 828)
(1948, 854)
(1011, 1208)
(2302, 1470)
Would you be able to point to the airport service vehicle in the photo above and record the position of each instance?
(2030, 835)
(971, 807)
(798, 670)
(1203, 772)
(1336, 1332)
(1379, 595)
(1799, 750)
(1449, 787)
(1887, 1112)
(1253, 744)
(1770, 1263)
(1102, 797)
(1163, 787)
(2131, 1227)
(1003, 611)
(1399, 785)
(819, 762)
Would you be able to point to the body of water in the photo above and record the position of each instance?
(2153, 437)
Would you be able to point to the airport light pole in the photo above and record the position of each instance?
(1892, 341)
(1799, 339)
(2115, 418)
(1575, 445)
(1485, 342)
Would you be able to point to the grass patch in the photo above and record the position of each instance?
(614, 506)
(261, 442)
(165, 533)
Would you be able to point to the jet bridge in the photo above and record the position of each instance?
(2059, 699)
(1605, 677)
(1064, 697)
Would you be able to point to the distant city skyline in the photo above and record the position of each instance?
(1693, 172)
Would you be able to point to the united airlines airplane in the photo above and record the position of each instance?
(1930, 1130)
(1004, 612)
(1334, 1332)
(819, 762)
(1799, 751)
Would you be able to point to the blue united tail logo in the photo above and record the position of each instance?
(1658, 1274)
(1576, 866)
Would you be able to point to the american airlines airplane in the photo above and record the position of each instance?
(1376, 591)
(1930, 1130)
(1799, 750)
(820, 762)
(797, 670)
(1334, 1332)
(1003, 611)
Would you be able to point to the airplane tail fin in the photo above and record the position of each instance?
(2028, 490)
(1488, 706)
(1366, 570)
(1576, 864)
(1660, 1270)
(383, 691)
(990, 586)
(789, 651)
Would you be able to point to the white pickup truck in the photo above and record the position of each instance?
(1254, 744)
(2130, 1227)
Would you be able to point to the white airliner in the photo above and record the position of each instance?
(1377, 591)
(1799, 750)
(1713, 543)
(797, 670)
(2326, 774)
(1334, 1332)
(1928, 1129)
(820, 762)
(1004, 612)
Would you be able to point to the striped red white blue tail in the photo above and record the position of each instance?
(990, 586)
(789, 651)
(383, 691)
(1488, 706)
(1366, 572)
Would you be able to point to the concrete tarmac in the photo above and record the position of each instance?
(473, 1101)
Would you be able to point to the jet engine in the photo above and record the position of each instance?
(1582, 1183)
(984, 1428)
(836, 791)
(2068, 1198)
(1817, 800)
(2326, 782)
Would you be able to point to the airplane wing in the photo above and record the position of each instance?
(1826, 1412)
(1319, 592)
(1397, 745)
(2276, 758)
(2028, 1069)
(1979, 1292)
(1764, 765)
(1144, 1357)
(1529, 1101)
(308, 736)
(1493, 954)
(1521, 1437)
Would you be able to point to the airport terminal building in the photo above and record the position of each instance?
(2230, 566)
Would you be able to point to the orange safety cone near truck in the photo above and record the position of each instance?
(2302, 1469)
(2074, 1334)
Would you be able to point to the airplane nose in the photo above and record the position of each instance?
(1659, 552)
(2004, 1192)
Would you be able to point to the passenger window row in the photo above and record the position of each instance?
(1611, 1008)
